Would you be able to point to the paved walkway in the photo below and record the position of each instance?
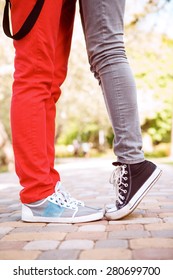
(146, 234)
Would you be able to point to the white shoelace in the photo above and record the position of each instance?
(64, 199)
(117, 179)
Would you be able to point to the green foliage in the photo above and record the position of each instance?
(159, 127)
(153, 67)
(110, 137)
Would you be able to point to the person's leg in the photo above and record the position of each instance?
(63, 45)
(133, 175)
(34, 73)
(40, 68)
(103, 28)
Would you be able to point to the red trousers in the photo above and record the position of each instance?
(40, 68)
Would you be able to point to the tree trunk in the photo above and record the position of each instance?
(6, 152)
(171, 152)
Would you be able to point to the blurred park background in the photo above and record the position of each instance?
(82, 125)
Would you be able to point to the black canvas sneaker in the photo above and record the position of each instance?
(132, 182)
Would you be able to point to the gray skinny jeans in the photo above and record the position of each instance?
(103, 27)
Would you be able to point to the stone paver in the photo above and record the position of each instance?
(151, 243)
(128, 234)
(92, 228)
(12, 245)
(30, 236)
(19, 255)
(106, 254)
(59, 255)
(5, 230)
(111, 243)
(153, 254)
(87, 235)
(133, 220)
(145, 234)
(43, 245)
(76, 244)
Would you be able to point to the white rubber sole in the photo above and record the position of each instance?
(114, 214)
(28, 217)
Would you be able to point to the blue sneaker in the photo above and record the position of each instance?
(60, 207)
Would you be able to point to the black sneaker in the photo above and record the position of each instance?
(132, 182)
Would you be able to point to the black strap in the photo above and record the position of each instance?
(28, 24)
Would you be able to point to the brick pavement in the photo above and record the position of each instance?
(146, 234)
